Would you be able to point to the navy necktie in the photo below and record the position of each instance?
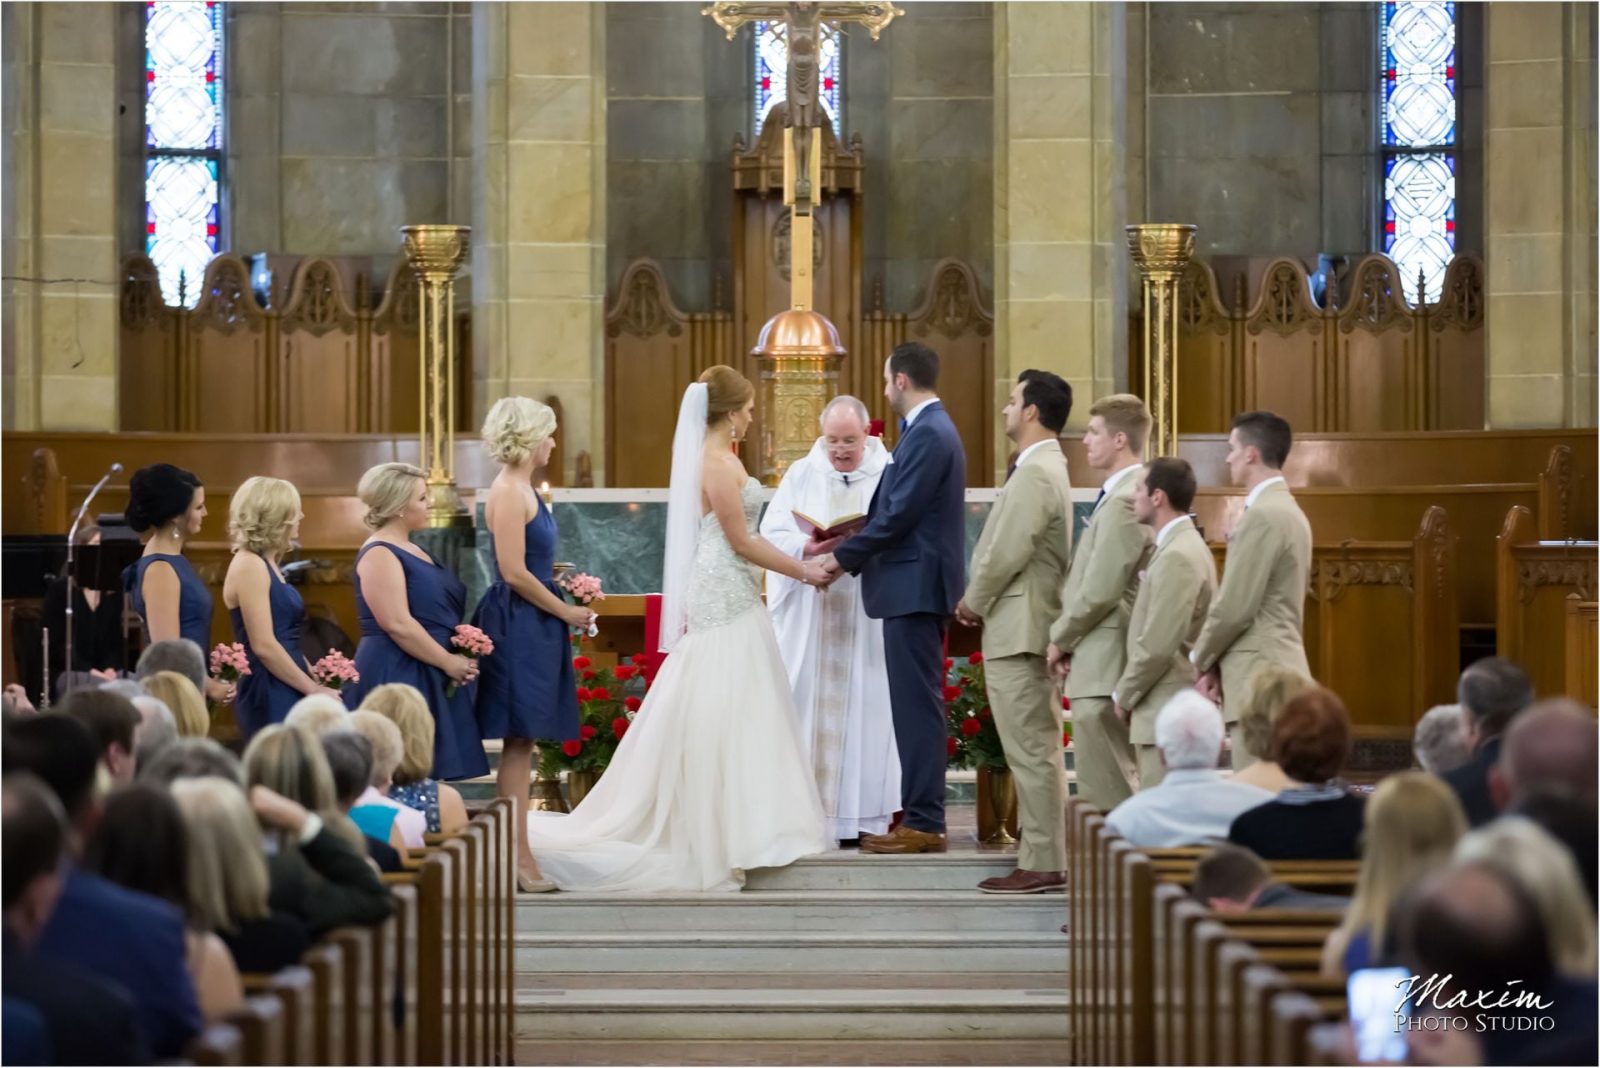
(903, 424)
(1011, 469)
(1098, 499)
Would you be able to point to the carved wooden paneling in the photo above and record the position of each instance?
(1583, 644)
(1533, 581)
(394, 359)
(147, 351)
(954, 322)
(320, 375)
(1284, 355)
(1207, 384)
(225, 378)
(1376, 371)
(1455, 347)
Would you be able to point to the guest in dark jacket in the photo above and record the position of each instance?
(55, 1013)
(1491, 692)
(1320, 820)
(1232, 879)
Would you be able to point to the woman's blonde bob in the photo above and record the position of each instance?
(386, 490)
(515, 427)
(261, 514)
(407, 709)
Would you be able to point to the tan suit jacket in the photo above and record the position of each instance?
(1174, 596)
(1021, 556)
(1258, 616)
(1101, 587)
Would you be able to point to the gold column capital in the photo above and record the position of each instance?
(436, 253)
(800, 355)
(1161, 248)
(1162, 252)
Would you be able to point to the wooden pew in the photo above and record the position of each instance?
(260, 1026)
(404, 1008)
(219, 1044)
(295, 990)
(1583, 637)
(326, 964)
(1533, 578)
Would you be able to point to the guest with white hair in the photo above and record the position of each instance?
(158, 729)
(1440, 741)
(1195, 801)
(316, 713)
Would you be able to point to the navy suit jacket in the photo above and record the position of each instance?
(81, 1019)
(911, 556)
(1471, 783)
(134, 941)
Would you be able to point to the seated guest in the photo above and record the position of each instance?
(175, 654)
(97, 640)
(1269, 692)
(1570, 822)
(1412, 822)
(1193, 801)
(1539, 865)
(193, 758)
(1440, 741)
(1491, 693)
(317, 713)
(188, 707)
(413, 785)
(1231, 880)
(128, 938)
(1549, 748)
(1320, 820)
(386, 750)
(227, 876)
(350, 759)
(319, 871)
(112, 720)
(157, 729)
(141, 844)
(54, 1013)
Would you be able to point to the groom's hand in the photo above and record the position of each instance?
(966, 616)
(829, 564)
(821, 548)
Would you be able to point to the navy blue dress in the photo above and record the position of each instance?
(532, 694)
(437, 599)
(262, 698)
(194, 600)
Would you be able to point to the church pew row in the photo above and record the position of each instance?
(1156, 978)
(1545, 609)
(431, 985)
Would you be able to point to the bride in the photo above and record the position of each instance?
(710, 780)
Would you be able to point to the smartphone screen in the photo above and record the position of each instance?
(1373, 994)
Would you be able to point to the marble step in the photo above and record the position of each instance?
(748, 952)
(839, 912)
(738, 1051)
(795, 1013)
(854, 870)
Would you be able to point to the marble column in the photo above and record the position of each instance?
(60, 328)
(538, 212)
(1059, 200)
(1539, 213)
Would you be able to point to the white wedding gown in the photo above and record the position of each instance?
(710, 780)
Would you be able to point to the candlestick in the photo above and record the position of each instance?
(544, 491)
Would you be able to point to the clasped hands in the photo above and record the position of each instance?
(817, 564)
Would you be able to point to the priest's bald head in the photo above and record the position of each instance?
(845, 422)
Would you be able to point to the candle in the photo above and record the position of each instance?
(544, 491)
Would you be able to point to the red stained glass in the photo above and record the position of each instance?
(1391, 74)
(149, 228)
(766, 83)
(827, 83)
(150, 76)
(1450, 226)
(1389, 226)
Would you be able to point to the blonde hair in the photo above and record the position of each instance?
(386, 744)
(727, 391)
(261, 514)
(1123, 413)
(1411, 824)
(1529, 856)
(289, 761)
(317, 713)
(178, 694)
(227, 860)
(515, 427)
(407, 709)
(1269, 692)
(386, 490)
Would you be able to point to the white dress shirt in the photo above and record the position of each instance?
(1166, 531)
(1250, 498)
(911, 416)
(1035, 447)
(1187, 807)
(1114, 480)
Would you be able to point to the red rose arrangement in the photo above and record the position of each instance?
(608, 697)
(471, 643)
(973, 739)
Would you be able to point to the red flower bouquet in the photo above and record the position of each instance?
(608, 697)
(974, 740)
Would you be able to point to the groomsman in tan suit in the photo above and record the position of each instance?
(1175, 591)
(1088, 642)
(1014, 591)
(1258, 616)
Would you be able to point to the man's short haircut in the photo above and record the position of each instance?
(58, 749)
(34, 831)
(110, 717)
(1189, 731)
(1311, 736)
(1123, 413)
(1269, 433)
(1440, 740)
(1491, 691)
(917, 362)
(1051, 394)
(1551, 747)
(193, 758)
(1175, 478)
(350, 759)
(1229, 872)
(174, 654)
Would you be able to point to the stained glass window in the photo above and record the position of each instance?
(772, 71)
(183, 141)
(1419, 139)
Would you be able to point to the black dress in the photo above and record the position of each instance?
(97, 639)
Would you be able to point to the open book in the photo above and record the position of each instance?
(840, 527)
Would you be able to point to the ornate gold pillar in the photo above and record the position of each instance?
(436, 253)
(1161, 251)
(800, 354)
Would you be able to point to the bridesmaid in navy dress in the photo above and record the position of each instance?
(531, 694)
(267, 613)
(409, 606)
(162, 586)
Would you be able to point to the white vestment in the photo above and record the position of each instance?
(834, 653)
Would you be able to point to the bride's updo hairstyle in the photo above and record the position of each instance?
(515, 427)
(726, 392)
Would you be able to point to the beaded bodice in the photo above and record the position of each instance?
(724, 585)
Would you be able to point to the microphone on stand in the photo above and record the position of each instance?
(72, 539)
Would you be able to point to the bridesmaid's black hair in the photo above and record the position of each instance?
(157, 494)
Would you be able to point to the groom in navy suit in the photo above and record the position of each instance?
(912, 561)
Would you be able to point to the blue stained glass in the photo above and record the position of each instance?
(1418, 86)
(771, 79)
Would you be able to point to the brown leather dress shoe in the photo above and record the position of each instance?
(1023, 881)
(904, 840)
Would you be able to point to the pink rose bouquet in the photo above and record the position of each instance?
(583, 588)
(229, 663)
(334, 670)
(471, 643)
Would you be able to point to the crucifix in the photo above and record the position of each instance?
(803, 118)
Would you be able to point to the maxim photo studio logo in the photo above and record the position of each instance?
(1434, 1004)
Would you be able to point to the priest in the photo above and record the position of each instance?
(834, 653)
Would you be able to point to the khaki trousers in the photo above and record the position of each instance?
(1104, 759)
(1026, 703)
(1241, 759)
(1151, 769)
